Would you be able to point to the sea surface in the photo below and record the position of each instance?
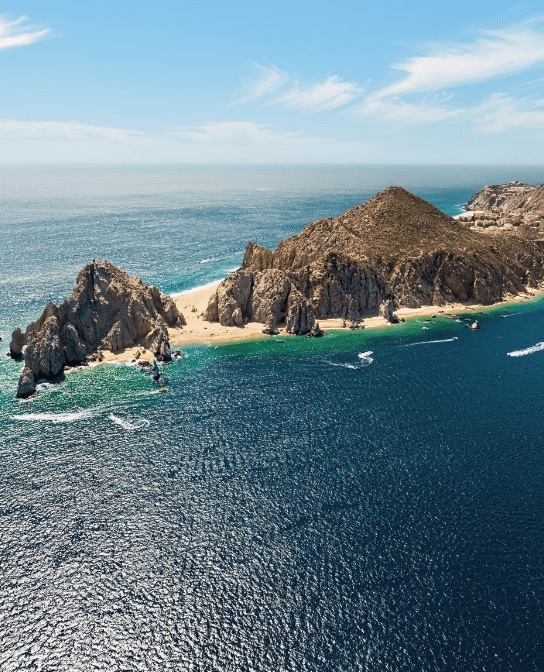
(369, 501)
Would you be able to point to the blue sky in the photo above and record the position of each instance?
(236, 81)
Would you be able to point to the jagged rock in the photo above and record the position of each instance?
(18, 342)
(108, 310)
(257, 257)
(300, 315)
(386, 310)
(232, 294)
(270, 328)
(315, 331)
(269, 297)
(26, 385)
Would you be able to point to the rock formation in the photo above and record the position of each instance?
(108, 310)
(394, 250)
(507, 198)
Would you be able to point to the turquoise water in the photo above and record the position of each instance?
(284, 506)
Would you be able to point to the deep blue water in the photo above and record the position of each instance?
(285, 506)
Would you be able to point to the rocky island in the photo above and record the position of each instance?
(108, 310)
(396, 250)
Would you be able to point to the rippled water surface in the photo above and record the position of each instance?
(284, 506)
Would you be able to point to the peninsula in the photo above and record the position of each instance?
(396, 253)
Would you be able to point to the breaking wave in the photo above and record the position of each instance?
(528, 351)
(54, 417)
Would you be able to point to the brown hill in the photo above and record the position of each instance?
(395, 246)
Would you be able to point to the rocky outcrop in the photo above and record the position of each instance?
(108, 310)
(396, 250)
(387, 310)
(507, 198)
(18, 342)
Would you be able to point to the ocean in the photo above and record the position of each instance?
(285, 506)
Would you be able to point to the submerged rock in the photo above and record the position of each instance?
(108, 310)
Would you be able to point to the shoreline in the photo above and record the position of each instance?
(192, 304)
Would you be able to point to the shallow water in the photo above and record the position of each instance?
(284, 505)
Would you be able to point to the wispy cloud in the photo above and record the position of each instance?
(269, 79)
(495, 53)
(328, 95)
(241, 132)
(13, 34)
(502, 113)
(394, 109)
(11, 129)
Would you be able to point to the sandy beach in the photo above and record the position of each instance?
(193, 303)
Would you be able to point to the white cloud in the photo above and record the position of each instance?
(327, 95)
(394, 109)
(330, 94)
(502, 113)
(13, 35)
(496, 53)
(241, 132)
(11, 129)
(269, 79)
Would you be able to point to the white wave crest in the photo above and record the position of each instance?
(528, 351)
(441, 340)
(207, 261)
(54, 417)
(128, 425)
(344, 366)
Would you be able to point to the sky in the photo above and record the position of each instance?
(219, 81)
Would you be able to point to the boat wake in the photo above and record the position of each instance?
(128, 425)
(441, 340)
(344, 366)
(365, 358)
(528, 351)
(54, 417)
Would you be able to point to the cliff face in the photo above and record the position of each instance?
(394, 247)
(506, 198)
(108, 310)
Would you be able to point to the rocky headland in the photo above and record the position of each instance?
(505, 206)
(396, 250)
(108, 311)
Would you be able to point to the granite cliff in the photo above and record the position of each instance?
(108, 310)
(396, 249)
